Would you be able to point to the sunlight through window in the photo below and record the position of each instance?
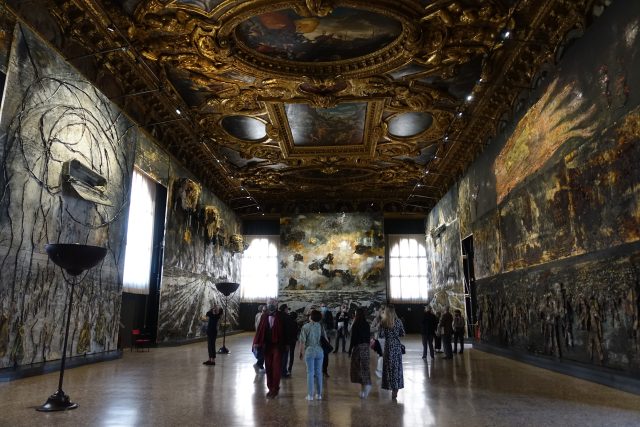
(408, 268)
(260, 269)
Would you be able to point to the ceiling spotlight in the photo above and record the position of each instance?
(418, 185)
(469, 97)
(459, 114)
(446, 137)
(480, 80)
(426, 172)
(505, 34)
(110, 29)
(178, 112)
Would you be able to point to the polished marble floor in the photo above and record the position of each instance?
(170, 387)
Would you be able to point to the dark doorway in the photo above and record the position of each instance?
(469, 284)
(141, 311)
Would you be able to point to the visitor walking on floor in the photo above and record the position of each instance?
(327, 324)
(342, 323)
(213, 316)
(311, 351)
(392, 330)
(257, 351)
(360, 351)
(429, 326)
(446, 331)
(271, 339)
(458, 331)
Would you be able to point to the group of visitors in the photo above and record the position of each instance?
(274, 341)
(440, 329)
(277, 333)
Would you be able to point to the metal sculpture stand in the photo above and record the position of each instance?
(226, 288)
(74, 259)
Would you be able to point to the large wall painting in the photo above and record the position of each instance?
(340, 125)
(444, 254)
(556, 258)
(203, 246)
(51, 116)
(332, 258)
(343, 34)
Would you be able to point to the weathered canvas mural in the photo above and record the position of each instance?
(344, 33)
(7, 25)
(444, 255)
(312, 126)
(52, 116)
(332, 258)
(203, 245)
(556, 256)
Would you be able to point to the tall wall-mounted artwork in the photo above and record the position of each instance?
(444, 255)
(201, 249)
(51, 119)
(332, 258)
(554, 212)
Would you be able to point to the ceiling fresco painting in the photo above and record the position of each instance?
(339, 125)
(344, 33)
(375, 104)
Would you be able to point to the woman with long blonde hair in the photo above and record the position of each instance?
(391, 328)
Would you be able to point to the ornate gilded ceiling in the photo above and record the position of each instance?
(315, 105)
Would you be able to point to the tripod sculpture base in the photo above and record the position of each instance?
(58, 401)
(223, 350)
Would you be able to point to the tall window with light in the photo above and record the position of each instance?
(137, 261)
(408, 268)
(259, 278)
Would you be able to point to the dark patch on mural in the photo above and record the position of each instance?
(52, 116)
(332, 258)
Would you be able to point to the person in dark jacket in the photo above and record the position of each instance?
(446, 326)
(342, 324)
(291, 336)
(359, 350)
(327, 324)
(428, 330)
(213, 315)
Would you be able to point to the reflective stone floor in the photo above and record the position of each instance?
(170, 387)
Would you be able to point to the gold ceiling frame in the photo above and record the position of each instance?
(366, 150)
(397, 53)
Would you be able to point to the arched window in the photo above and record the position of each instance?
(259, 269)
(408, 268)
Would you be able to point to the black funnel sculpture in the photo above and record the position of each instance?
(74, 259)
(226, 288)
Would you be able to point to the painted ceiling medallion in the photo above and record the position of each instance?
(344, 34)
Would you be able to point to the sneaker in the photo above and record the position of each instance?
(318, 397)
(361, 394)
(309, 397)
(367, 390)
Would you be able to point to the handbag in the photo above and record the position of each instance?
(324, 342)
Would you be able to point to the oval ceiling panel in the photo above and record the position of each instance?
(244, 127)
(345, 33)
(409, 124)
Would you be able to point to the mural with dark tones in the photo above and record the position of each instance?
(52, 116)
(339, 125)
(345, 33)
(7, 24)
(203, 246)
(332, 258)
(444, 255)
(557, 254)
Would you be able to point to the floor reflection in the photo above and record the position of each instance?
(170, 387)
